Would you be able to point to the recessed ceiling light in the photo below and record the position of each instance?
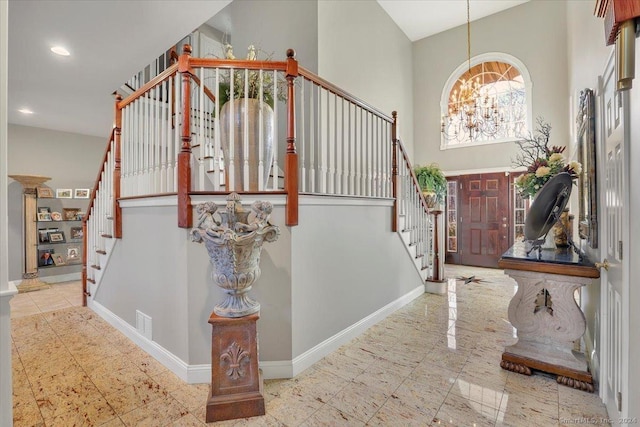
(25, 111)
(59, 50)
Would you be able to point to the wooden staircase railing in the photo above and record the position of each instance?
(334, 144)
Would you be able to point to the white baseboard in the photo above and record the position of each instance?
(162, 355)
(311, 356)
(195, 374)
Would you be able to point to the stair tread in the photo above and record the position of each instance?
(101, 251)
(91, 280)
(96, 267)
(107, 236)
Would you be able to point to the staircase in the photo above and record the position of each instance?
(166, 145)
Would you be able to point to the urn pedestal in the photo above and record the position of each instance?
(234, 238)
(236, 382)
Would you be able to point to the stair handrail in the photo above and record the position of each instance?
(341, 92)
(92, 197)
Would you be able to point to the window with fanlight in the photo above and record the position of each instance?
(487, 100)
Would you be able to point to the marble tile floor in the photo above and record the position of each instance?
(433, 362)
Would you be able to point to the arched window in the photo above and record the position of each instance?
(488, 102)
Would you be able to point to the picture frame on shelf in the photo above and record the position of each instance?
(43, 235)
(64, 193)
(44, 193)
(44, 209)
(56, 237)
(45, 257)
(44, 216)
(80, 216)
(58, 260)
(82, 193)
(56, 216)
(73, 254)
(75, 233)
(70, 214)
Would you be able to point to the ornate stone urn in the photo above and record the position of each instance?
(234, 237)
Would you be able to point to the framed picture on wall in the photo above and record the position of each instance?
(82, 193)
(44, 192)
(63, 193)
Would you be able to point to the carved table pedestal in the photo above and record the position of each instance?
(236, 383)
(547, 318)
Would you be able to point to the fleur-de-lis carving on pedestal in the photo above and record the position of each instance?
(235, 357)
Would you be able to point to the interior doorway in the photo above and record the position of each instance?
(484, 216)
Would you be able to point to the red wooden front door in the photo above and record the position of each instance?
(484, 219)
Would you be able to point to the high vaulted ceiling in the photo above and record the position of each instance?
(111, 40)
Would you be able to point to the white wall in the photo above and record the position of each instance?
(533, 32)
(339, 266)
(273, 27)
(71, 160)
(347, 264)
(362, 50)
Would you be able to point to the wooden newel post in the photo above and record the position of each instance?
(436, 248)
(184, 157)
(117, 171)
(394, 171)
(291, 156)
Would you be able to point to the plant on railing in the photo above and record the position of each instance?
(432, 183)
(253, 81)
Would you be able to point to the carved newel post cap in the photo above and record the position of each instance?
(291, 53)
(186, 49)
(233, 238)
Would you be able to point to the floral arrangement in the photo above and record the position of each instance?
(542, 161)
(253, 81)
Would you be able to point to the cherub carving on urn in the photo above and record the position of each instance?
(233, 238)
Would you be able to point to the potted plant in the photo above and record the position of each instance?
(432, 183)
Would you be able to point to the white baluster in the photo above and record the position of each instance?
(331, 142)
(303, 139)
(201, 135)
(217, 165)
(245, 134)
(156, 140)
(323, 142)
(312, 138)
(261, 135)
(273, 167)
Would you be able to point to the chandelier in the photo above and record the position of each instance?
(473, 111)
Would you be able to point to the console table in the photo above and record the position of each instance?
(544, 312)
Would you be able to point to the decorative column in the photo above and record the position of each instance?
(233, 238)
(436, 284)
(30, 281)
